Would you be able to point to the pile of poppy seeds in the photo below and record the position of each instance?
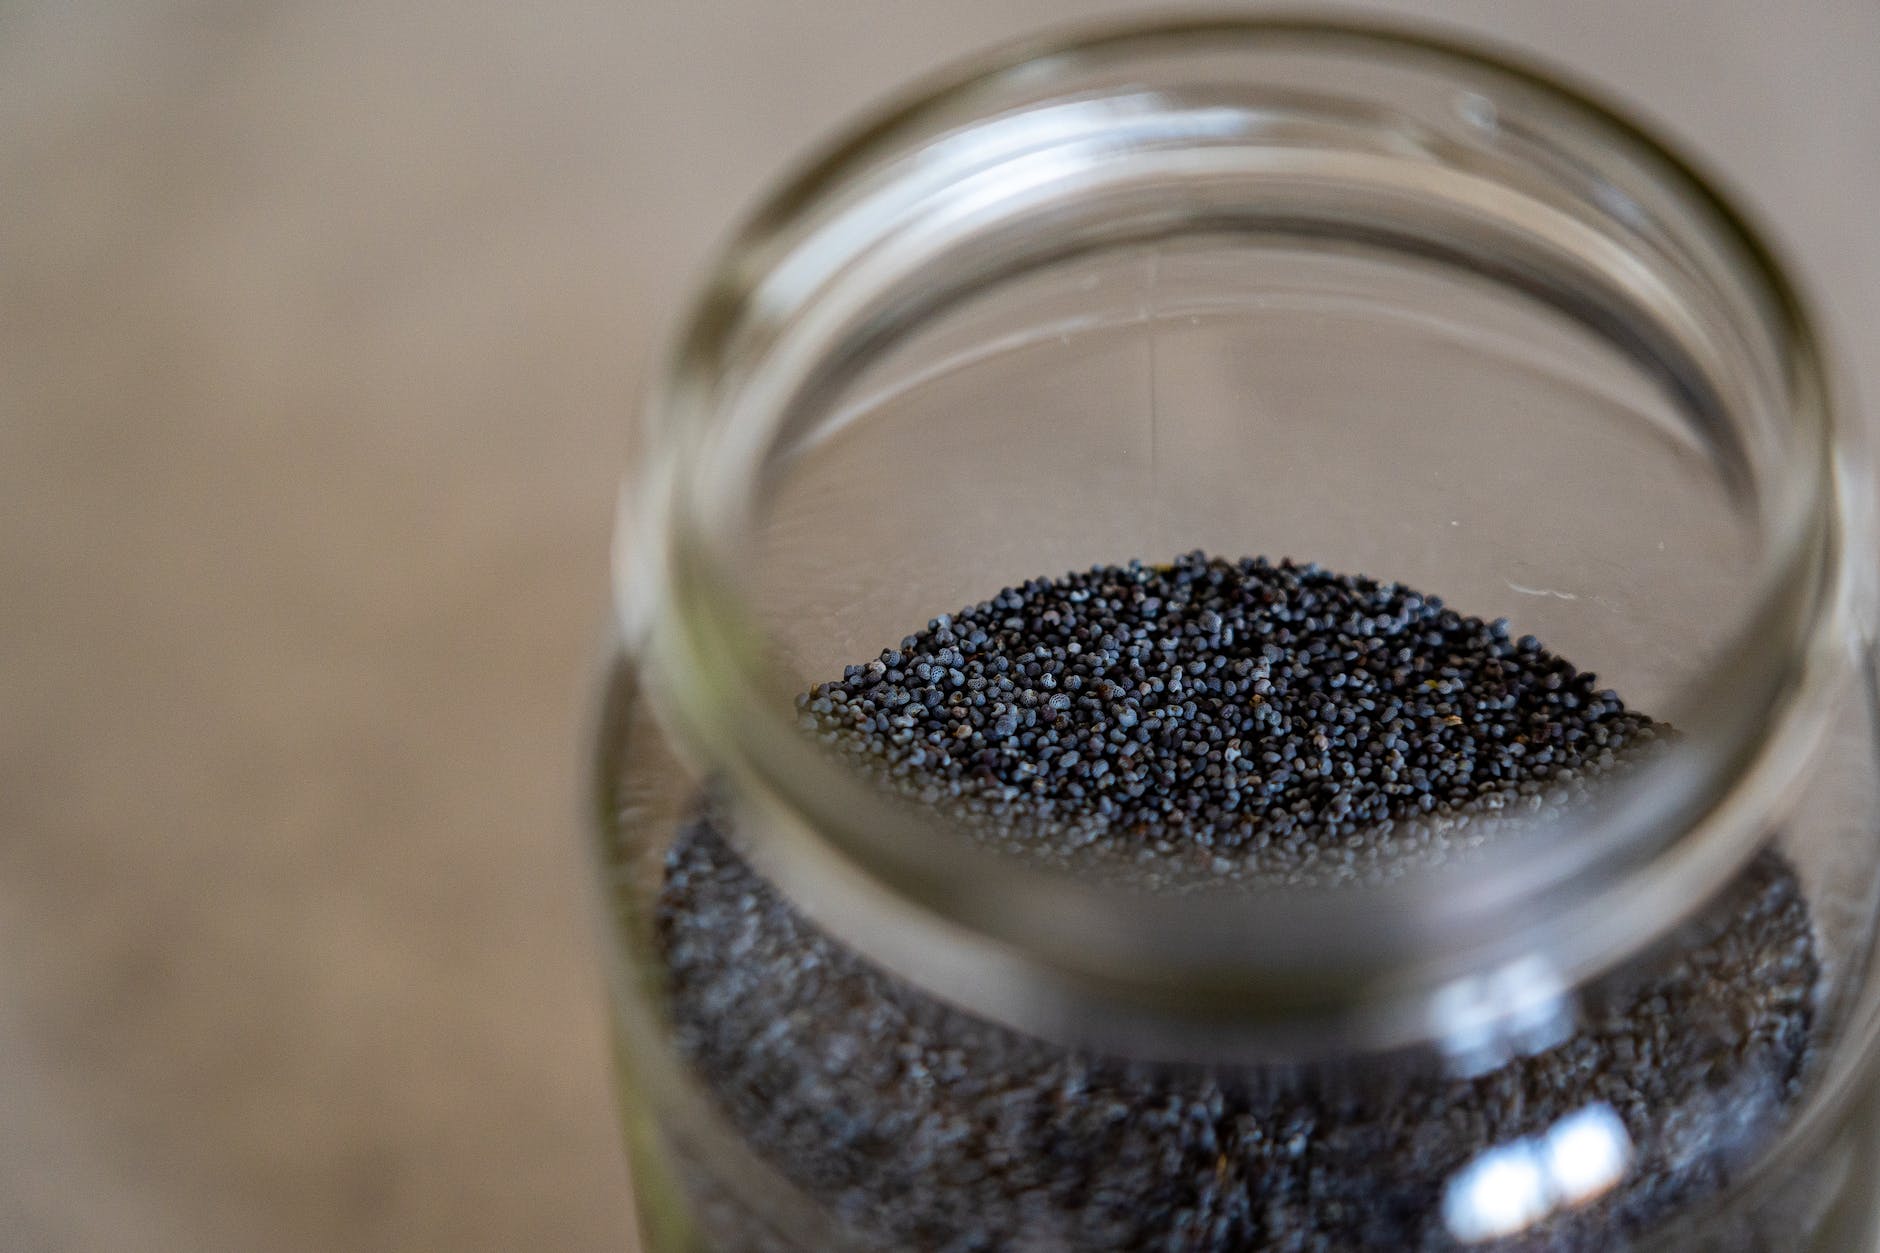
(1220, 721)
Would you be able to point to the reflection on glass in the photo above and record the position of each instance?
(1509, 1188)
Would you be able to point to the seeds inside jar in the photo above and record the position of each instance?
(1195, 723)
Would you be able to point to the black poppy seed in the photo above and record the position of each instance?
(1211, 721)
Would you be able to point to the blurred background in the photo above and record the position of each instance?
(320, 329)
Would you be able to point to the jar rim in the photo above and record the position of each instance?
(1048, 954)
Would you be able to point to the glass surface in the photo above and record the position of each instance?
(1234, 395)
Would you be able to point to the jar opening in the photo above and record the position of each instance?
(1277, 208)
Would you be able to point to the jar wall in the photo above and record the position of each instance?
(1248, 396)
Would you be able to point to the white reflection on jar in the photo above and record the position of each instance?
(1513, 1186)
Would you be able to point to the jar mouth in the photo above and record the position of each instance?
(1269, 976)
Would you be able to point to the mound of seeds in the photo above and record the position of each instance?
(1238, 719)
(1233, 718)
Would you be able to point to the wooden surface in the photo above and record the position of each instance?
(319, 329)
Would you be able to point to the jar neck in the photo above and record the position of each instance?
(1176, 132)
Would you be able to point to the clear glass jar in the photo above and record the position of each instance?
(1256, 288)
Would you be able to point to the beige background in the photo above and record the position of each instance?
(319, 325)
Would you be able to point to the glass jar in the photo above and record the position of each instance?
(1206, 903)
